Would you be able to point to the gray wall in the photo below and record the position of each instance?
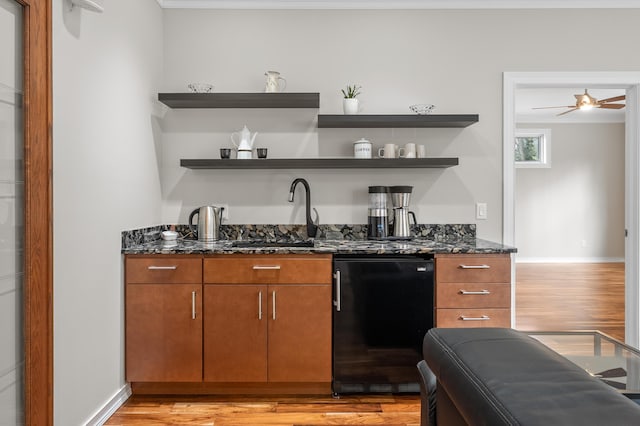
(573, 211)
(454, 59)
(106, 70)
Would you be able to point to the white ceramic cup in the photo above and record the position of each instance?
(421, 151)
(410, 150)
(362, 148)
(388, 151)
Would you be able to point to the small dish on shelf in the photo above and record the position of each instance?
(422, 109)
(200, 87)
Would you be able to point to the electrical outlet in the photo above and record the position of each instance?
(481, 211)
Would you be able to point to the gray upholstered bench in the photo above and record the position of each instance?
(499, 376)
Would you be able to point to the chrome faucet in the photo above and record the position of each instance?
(312, 227)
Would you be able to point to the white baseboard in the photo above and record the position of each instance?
(569, 259)
(116, 401)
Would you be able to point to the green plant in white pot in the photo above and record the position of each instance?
(350, 101)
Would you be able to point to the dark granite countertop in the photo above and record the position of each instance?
(332, 239)
(415, 246)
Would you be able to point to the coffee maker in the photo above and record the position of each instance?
(400, 196)
(378, 213)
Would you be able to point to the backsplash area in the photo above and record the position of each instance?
(438, 232)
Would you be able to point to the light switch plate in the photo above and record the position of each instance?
(481, 211)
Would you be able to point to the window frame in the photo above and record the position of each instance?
(544, 151)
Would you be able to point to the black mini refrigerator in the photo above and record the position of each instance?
(383, 307)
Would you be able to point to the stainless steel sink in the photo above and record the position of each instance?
(263, 243)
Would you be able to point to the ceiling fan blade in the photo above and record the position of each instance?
(567, 112)
(611, 106)
(564, 106)
(614, 384)
(613, 99)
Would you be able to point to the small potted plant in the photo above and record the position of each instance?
(350, 102)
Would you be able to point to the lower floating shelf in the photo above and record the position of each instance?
(321, 163)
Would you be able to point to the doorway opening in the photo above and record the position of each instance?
(630, 83)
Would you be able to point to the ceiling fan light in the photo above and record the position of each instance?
(585, 106)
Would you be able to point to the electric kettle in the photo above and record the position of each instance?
(209, 220)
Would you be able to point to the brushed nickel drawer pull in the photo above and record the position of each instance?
(468, 293)
(482, 318)
(260, 305)
(162, 268)
(193, 305)
(266, 267)
(474, 266)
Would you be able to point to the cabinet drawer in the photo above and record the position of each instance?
(454, 318)
(473, 268)
(278, 269)
(473, 295)
(161, 269)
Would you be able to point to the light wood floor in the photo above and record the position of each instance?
(548, 297)
(571, 297)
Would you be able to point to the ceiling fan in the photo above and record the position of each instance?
(586, 101)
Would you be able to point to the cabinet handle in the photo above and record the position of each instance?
(162, 268)
(260, 305)
(474, 267)
(481, 292)
(193, 305)
(266, 267)
(274, 305)
(482, 318)
(337, 303)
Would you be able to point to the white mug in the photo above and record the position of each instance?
(421, 151)
(410, 150)
(362, 148)
(390, 150)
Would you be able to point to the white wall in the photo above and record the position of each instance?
(574, 211)
(454, 59)
(106, 68)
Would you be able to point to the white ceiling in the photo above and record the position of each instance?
(399, 4)
(526, 99)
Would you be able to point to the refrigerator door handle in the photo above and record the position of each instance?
(336, 302)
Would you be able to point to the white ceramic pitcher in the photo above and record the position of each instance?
(273, 84)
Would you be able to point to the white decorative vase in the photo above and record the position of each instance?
(350, 105)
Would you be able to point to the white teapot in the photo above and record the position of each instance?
(245, 143)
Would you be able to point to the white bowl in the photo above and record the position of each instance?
(200, 87)
(169, 235)
(422, 109)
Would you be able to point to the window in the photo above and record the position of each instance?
(533, 148)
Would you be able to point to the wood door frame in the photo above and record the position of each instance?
(630, 81)
(38, 213)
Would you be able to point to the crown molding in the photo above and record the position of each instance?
(399, 4)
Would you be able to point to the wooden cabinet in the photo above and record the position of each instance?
(473, 290)
(268, 318)
(163, 317)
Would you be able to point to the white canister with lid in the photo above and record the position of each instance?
(362, 148)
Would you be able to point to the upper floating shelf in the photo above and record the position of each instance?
(240, 100)
(402, 120)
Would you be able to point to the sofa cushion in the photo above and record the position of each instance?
(498, 376)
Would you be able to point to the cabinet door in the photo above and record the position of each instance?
(299, 333)
(164, 332)
(235, 347)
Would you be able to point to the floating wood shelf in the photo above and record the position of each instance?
(398, 120)
(240, 100)
(320, 163)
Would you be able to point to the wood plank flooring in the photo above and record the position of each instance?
(548, 297)
(571, 297)
(286, 411)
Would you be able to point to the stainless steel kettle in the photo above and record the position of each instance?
(209, 220)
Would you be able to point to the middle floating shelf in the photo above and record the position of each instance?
(320, 163)
(396, 120)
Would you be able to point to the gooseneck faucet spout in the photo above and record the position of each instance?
(312, 228)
